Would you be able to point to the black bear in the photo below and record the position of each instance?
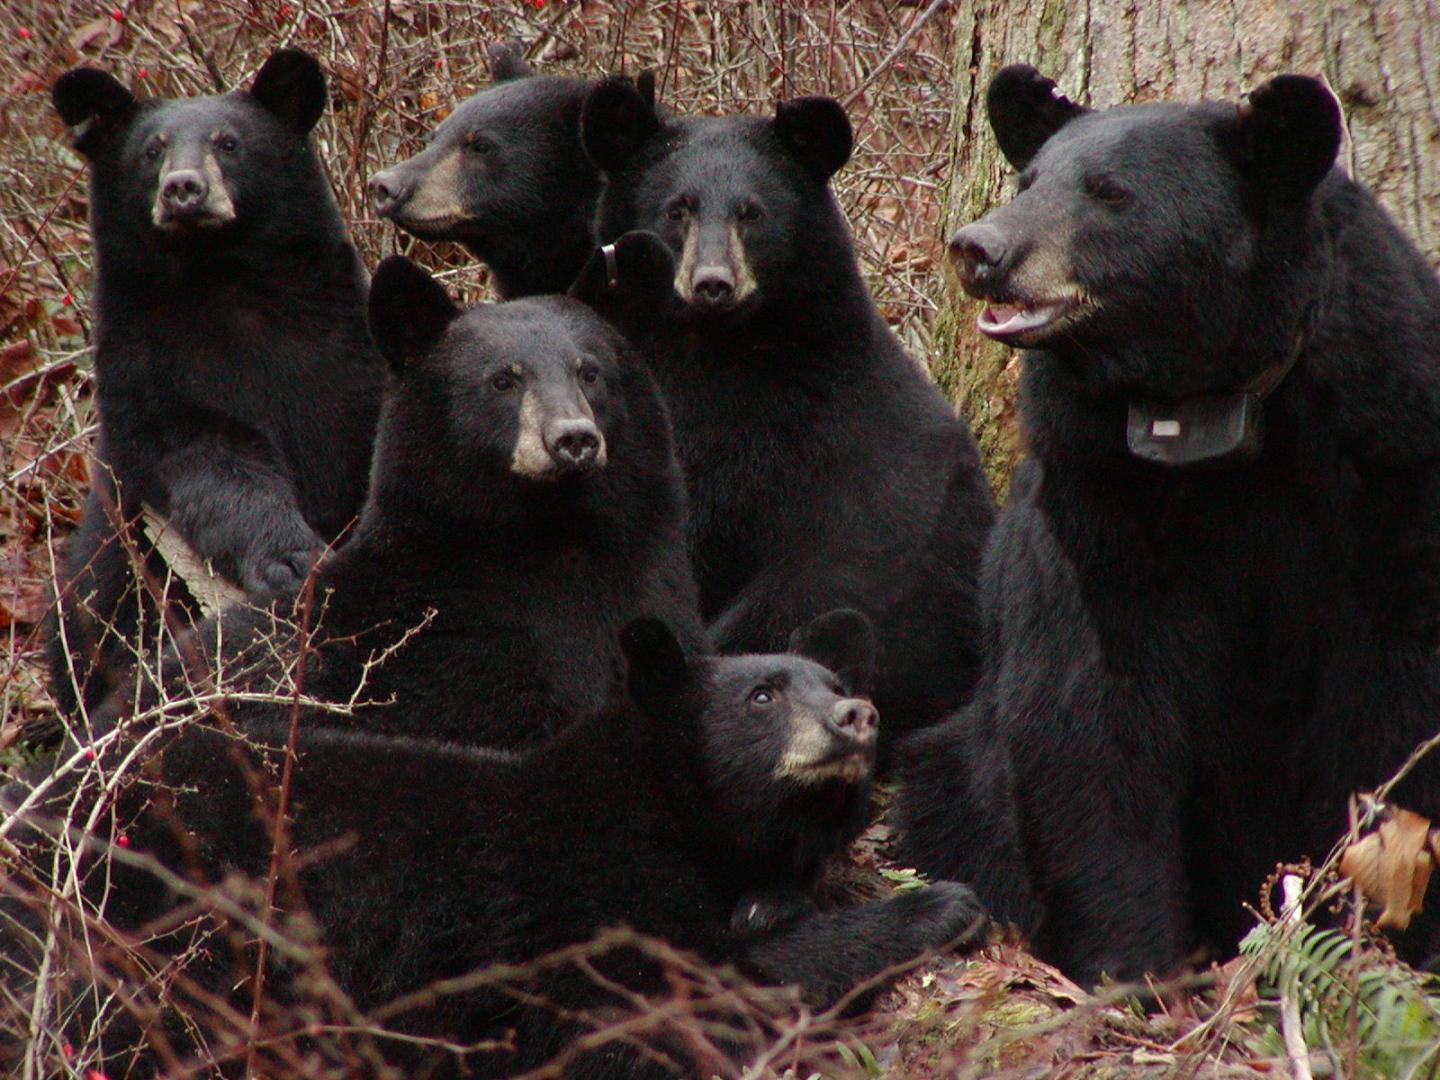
(823, 467)
(238, 386)
(723, 778)
(1212, 602)
(525, 505)
(504, 175)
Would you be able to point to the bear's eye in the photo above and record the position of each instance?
(750, 212)
(589, 373)
(478, 144)
(761, 695)
(227, 144)
(502, 382)
(677, 211)
(152, 151)
(1106, 190)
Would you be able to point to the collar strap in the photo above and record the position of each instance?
(1208, 430)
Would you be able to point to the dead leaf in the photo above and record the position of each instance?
(15, 360)
(102, 31)
(1392, 866)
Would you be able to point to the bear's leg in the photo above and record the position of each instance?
(956, 812)
(1379, 704)
(93, 630)
(238, 509)
(831, 953)
(1097, 791)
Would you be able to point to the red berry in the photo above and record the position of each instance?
(439, 63)
(67, 1050)
(117, 14)
(24, 34)
(68, 300)
(89, 753)
(95, 1074)
(142, 74)
(123, 840)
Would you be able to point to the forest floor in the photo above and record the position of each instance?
(396, 68)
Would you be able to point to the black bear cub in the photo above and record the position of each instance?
(525, 505)
(1213, 598)
(723, 778)
(237, 383)
(504, 175)
(823, 467)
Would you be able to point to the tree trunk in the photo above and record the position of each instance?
(1381, 58)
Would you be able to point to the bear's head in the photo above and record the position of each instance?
(784, 744)
(743, 202)
(1159, 245)
(201, 168)
(529, 391)
(505, 162)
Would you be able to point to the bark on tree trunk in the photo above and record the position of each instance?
(1381, 58)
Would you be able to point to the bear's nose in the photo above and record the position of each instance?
(977, 251)
(575, 444)
(388, 190)
(855, 718)
(714, 285)
(184, 189)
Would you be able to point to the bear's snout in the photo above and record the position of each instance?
(389, 191)
(854, 719)
(574, 444)
(184, 191)
(977, 251)
(714, 286)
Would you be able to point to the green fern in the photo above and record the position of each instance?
(1389, 1012)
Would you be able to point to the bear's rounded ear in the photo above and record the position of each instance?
(507, 61)
(658, 669)
(817, 132)
(409, 311)
(94, 103)
(1287, 134)
(636, 272)
(843, 641)
(615, 122)
(292, 86)
(1026, 109)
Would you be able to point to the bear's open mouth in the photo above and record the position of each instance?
(1014, 319)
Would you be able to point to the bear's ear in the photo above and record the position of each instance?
(636, 272)
(645, 84)
(292, 86)
(817, 132)
(658, 669)
(409, 311)
(507, 61)
(843, 641)
(1286, 136)
(95, 104)
(1026, 109)
(615, 122)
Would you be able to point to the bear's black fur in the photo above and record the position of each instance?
(823, 467)
(724, 777)
(525, 505)
(1189, 669)
(238, 386)
(504, 175)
